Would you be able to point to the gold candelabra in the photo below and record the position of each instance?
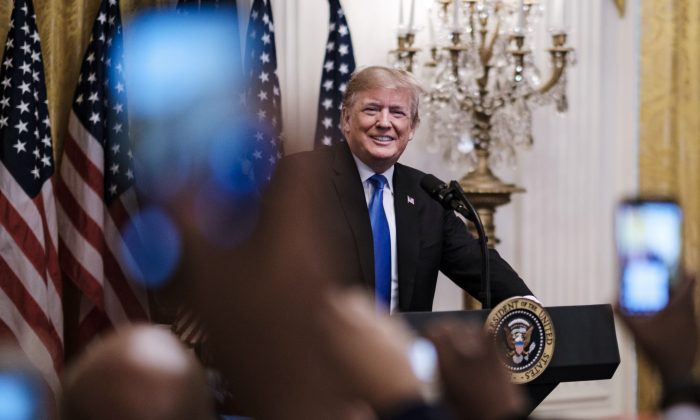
(483, 83)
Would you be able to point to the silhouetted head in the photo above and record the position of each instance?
(139, 372)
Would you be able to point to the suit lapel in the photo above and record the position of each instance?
(408, 227)
(352, 198)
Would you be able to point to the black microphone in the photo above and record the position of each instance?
(452, 198)
(441, 192)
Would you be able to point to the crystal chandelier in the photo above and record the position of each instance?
(482, 84)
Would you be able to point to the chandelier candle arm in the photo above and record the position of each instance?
(406, 51)
(444, 4)
(455, 51)
(558, 55)
(482, 86)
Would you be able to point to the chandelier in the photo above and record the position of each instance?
(483, 83)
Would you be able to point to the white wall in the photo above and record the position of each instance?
(558, 235)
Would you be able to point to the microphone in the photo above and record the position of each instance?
(452, 198)
(440, 192)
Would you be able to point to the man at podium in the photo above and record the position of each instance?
(374, 223)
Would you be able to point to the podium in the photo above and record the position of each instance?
(585, 348)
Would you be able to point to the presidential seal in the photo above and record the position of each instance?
(524, 336)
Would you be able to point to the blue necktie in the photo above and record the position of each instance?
(382, 243)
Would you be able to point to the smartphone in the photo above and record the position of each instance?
(648, 240)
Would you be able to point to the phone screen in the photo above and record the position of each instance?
(648, 236)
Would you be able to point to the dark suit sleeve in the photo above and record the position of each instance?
(461, 262)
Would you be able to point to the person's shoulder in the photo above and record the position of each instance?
(409, 173)
(409, 180)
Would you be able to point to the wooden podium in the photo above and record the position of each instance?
(585, 348)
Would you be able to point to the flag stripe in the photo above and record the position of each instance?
(116, 311)
(89, 170)
(47, 206)
(43, 261)
(188, 328)
(32, 313)
(87, 209)
(12, 324)
(85, 264)
(21, 202)
(78, 272)
(19, 232)
(120, 217)
(121, 289)
(89, 245)
(54, 306)
(74, 215)
(89, 145)
(91, 324)
(87, 198)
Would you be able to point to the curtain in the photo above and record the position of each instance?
(669, 141)
(64, 28)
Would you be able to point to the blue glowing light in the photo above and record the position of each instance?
(18, 397)
(174, 60)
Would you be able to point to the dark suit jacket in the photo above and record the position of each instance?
(324, 191)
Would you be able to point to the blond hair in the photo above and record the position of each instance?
(374, 77)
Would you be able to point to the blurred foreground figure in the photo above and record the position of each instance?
(139, 372)
(670, 340)
(254, 259)
(383, 363)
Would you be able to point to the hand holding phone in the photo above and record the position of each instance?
(648, 240)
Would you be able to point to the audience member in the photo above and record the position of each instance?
(670, 340)
(138, 372)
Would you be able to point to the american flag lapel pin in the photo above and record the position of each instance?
(410, 200)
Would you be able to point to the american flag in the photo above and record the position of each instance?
(338, 66)
(31, 313)
(263, 100)
(95, 191)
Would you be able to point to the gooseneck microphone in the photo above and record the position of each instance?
(452, 198)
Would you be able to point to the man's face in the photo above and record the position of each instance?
(378, 126)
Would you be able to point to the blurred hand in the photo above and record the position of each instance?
(369, 351)
(670, 337)
(474, 381)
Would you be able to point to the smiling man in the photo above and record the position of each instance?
(369, 220)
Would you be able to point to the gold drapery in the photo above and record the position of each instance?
(64, 27)
(669, 155)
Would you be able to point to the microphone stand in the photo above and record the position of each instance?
(465, 208)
